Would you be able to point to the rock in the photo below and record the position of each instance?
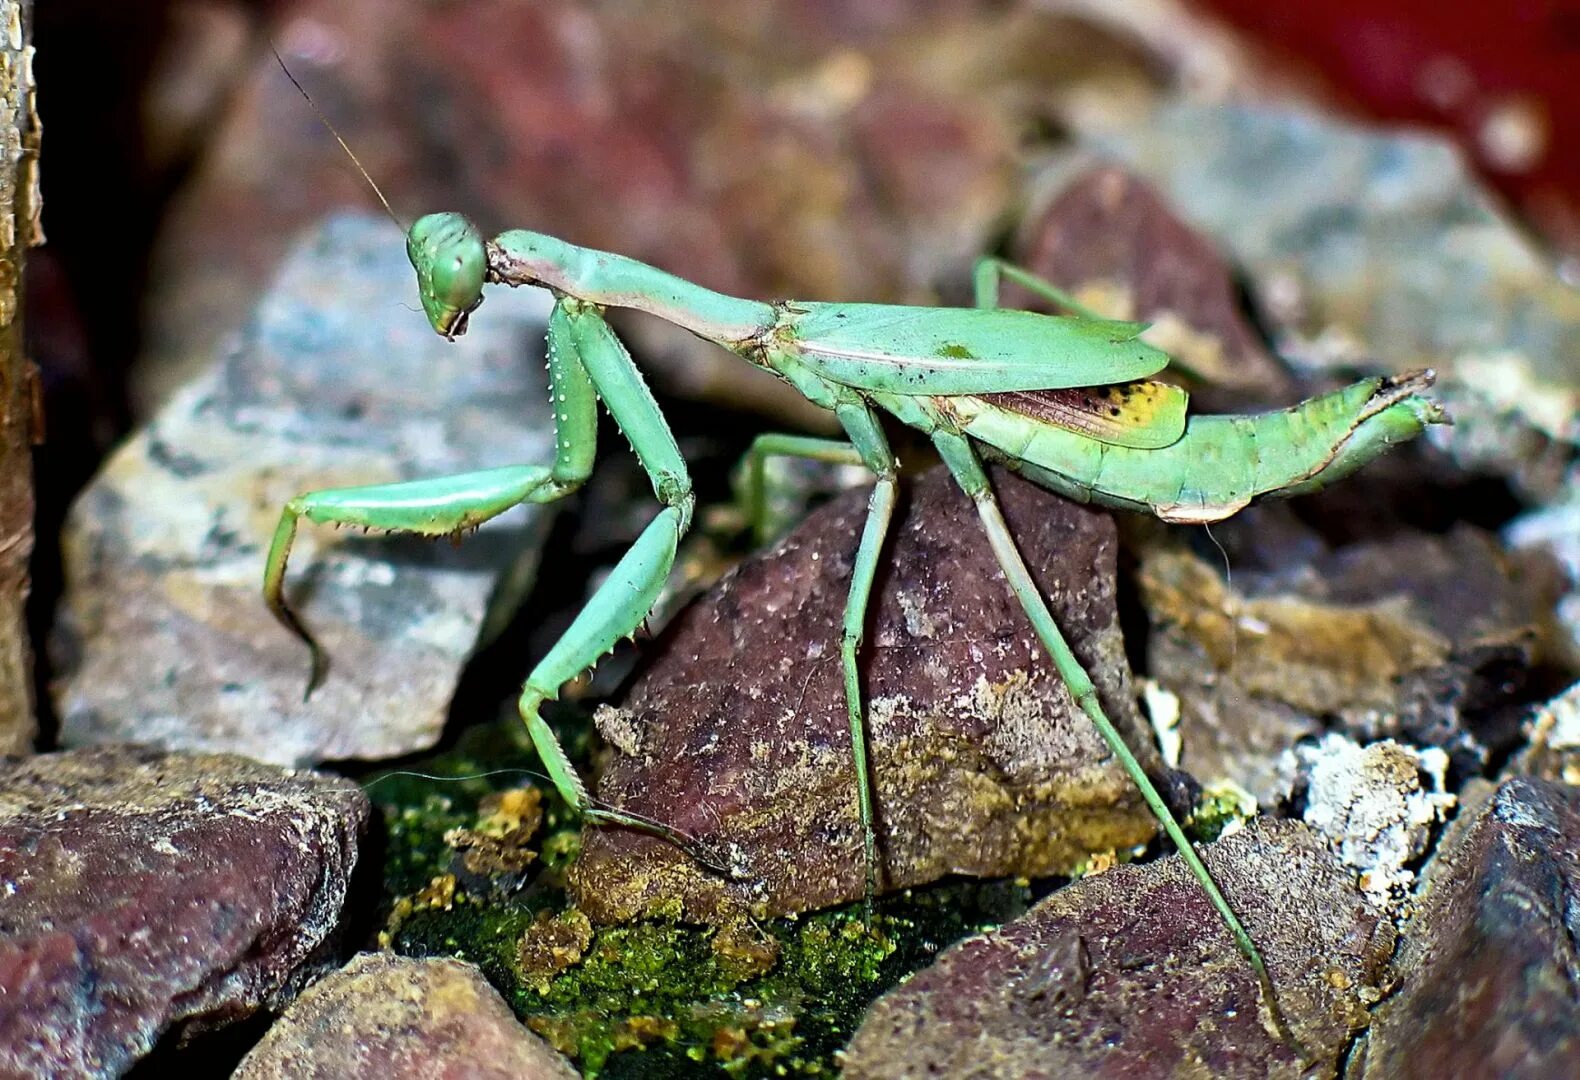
(1377, 804)
(1553, 750)
(1555, 530)
(1423, 638)
(142, 891)
(390, 1017)
(164, 635)
(1131, 973)
(737, 731)
(1489, 969)
(1111, 241)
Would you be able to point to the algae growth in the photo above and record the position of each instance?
(475, 869)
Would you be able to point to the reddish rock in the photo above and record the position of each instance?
(386, 1017)
(1131, 973)
(1489, 968)
(141, 891)
(737, 732)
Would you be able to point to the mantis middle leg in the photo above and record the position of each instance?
(811, 448)
(868, 447)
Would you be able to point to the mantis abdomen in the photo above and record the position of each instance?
(1220, 463)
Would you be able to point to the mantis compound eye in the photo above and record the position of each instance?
(448, 254)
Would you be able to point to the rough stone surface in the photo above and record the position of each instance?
(1111, 240)
(1553, 751)
(1131, 973)
(737, 732)
(396, 1018)
(1489, 971)
(141, 891)
(1418, 637)
(1555, 530)
(164, 634)
(1378, 805)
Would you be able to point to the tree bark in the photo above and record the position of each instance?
(19, 390)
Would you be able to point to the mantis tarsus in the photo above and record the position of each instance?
(1065, 400)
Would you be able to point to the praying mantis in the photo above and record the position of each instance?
(1066, 401)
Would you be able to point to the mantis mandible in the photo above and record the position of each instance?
(1066, 401)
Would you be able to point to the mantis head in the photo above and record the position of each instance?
(447, 252)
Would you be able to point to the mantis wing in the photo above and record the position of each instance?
(948, 351)
(1142, 415)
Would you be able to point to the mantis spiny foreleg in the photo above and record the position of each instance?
(586, 360)
(626, 598)
(446, 505)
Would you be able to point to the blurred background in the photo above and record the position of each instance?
(850, 150)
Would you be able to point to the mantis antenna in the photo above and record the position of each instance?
(349, 153)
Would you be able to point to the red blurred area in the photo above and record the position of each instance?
(1504, 78)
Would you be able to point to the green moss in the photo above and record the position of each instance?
(651, 999)
(1223, 805)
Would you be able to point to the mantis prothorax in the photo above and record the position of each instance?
(1064, 400)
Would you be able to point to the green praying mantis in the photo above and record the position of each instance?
(1066, 401)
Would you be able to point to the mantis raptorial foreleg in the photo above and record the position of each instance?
(586, 361)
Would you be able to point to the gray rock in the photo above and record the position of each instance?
(1419, 637)
(141, 891)
(386, 1017)
(1131, 973)
(1377, 805)
(338, 380)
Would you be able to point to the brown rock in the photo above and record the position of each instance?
(1131, 973)
(1420, 637)
(1489, 969)
(737, 733)
(144, 890)
(386, 1017)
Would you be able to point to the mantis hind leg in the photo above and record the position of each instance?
(962, 461)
